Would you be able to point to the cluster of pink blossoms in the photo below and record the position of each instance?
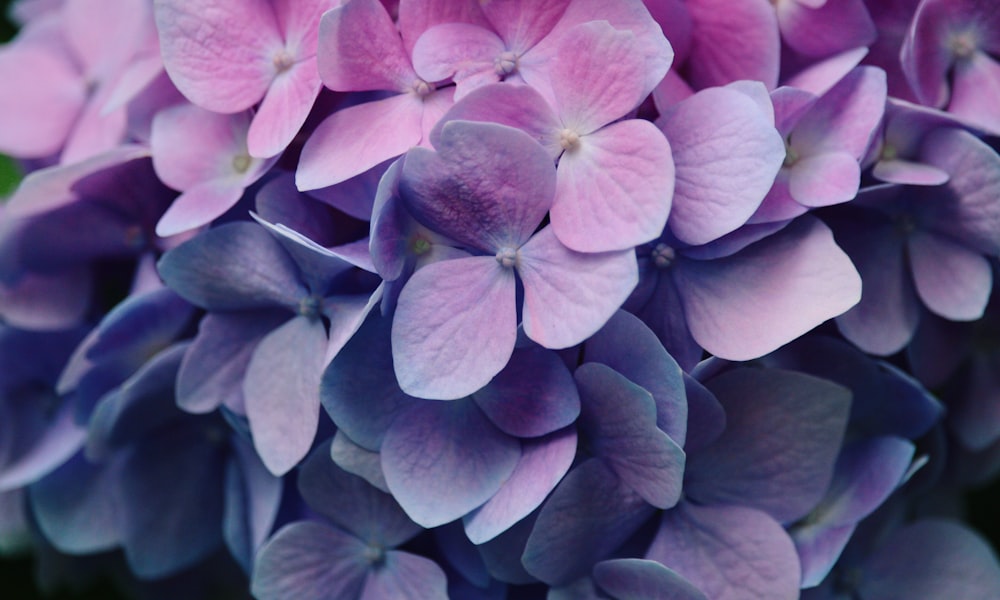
(320, 299)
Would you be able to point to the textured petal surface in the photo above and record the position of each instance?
(488, 186)
(952, 280)
(731, 41)
(533, 395)
(462, 51)
(443, 459)
(544, 461)
(406, 576)
(454, 327)
(587, 517)
(726, 154)
(311, 561)
(355, 139)
(844, 119)
(730, 552)
(824, 179)
(569, 295)
(614, 191)
(284, 109)
(360, 49)
(629, 347)
(219, 54)
(748, 304)
(282, 392)
(783, 433)
(182, 164)
(827, 28)
(233, 267)
(199, 205)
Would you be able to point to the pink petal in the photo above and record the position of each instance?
(460, 51)
(748, 304)
(830, 27)
(191, 145)
(355, 139)
(95, 131)
(201, 204)
(733, 40)
(613, 191)
(908, 172)
(416, 18)
(821, 76)
(360, 49)
(952, 280)
(523, 23)
(976, 81)
(219, 53)
(105, 34)
(724, 167)
(569, 295)
(454, 327)
(597, 76)
(284, 109)
(37, 119)
(844, 119)
(298, 21)
(825, 179)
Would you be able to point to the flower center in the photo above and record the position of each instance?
(311, 306)
(569, 140)
(241, 162)
(505, 64)
(507, 257)
(420, 245)
(421, 88)
(906, 224)
(889, 152)
(963, 45)
(791, 156)
(663, 256)
(283, 61)
(374, 554)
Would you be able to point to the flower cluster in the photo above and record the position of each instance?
(570, 299)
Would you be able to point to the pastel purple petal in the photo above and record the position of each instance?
(785, 472)
(951, 562)
(844, 119)
(219, 54)
(416, 18)
(201, 204)
(729, 552)
(975, 81)
(310, 561)
(211, 373)
(614, 191)
(281, 388)
(406, 575)
(544, 461)
(358, 460)
(487, 186)
(748, 304)
(233, 267)
(597, 76)
(732, 41)
(518, 106)
(569, 295)
(824, 179)
(462, 51)
(54, 445)
(360, 49)
(444, 459)
(629, 347)
(664, 314)
(707, 418)
(826, 28)
(50, 95)
(523, 23)
(588, 516)
(639, 579)
(532, 396)
(618, 419)
(454, 327)
(885, 319)
(952, 280)
(284, 109)
(823, 75)
(723, 167)
(262, 492)
(908, 172)
(355, 139)
(970, 211)
(352, 503)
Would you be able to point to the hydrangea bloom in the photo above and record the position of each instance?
(503, 299)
